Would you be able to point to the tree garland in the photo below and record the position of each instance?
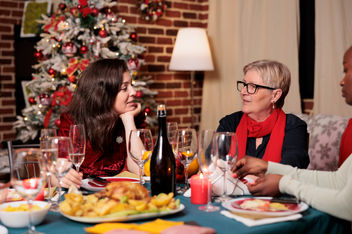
(152, 10)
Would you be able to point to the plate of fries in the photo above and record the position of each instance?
(119, 201)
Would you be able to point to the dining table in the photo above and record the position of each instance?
(312, 221)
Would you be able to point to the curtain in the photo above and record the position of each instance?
(240, 32)
(333, 33)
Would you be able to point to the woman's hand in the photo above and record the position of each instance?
(72, 178)
(125, 117)
(266, 186)
(250, 165)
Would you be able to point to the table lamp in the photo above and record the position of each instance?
(191, 53)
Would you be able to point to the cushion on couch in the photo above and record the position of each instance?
(325, 133)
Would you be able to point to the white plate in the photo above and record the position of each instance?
(125, 218)
(234, 205)
(95, 187)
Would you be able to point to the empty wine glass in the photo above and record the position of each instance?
(172, 134)
(225, 148)
(140, 146)
(78, 137)
(28, 177)
(45, 134)
(62, 147)
(187, 149)
(207, 161)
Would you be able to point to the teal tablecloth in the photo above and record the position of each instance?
(313, 221)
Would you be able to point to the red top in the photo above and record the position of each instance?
(346, 143)
(97, 162)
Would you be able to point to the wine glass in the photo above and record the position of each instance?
(207, 161)
(187, 149)
(140, 146)
(226, 150)
(78, 137)
(45, 133)
(28, 177)
(61, 148)
(172, 134)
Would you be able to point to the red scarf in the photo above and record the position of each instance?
(346, 143)
(274, 125)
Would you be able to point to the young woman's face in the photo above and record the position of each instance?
(124, 101)
(258, 106)
(346, 82)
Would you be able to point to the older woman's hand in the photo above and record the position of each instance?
(250, 166)
(72, 178)
(266, 186)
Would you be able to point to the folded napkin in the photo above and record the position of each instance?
(127, 174)
(233, 186)
(255, 221)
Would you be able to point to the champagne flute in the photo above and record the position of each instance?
(28, 177)
(62, 147)
(207, 162)
(172, 134)
(187, 149)
(45, 133)
(140, 146)
(78, 137)
(226, 150)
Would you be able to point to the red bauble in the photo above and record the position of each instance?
(74, 11)
(69, 49)
(57, 123)
(133, 37)
(103, 33)
(79, 6)
(133, 64)
(95, 11)
(72, 79)
(139, 94)
(147, 110)
(31, 100)
(51, 72)
(44, 99)
(62, 6)
(180, 172)
(38, 55)
(83, 49)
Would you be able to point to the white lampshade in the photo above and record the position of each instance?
(191, 51)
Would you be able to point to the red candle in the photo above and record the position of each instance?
(200, 185)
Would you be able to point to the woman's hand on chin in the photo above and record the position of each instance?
(131, 113)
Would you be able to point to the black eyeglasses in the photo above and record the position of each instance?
(251, 88)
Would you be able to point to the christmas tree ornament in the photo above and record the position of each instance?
(79, 6)
(95, 11)
(31, 100)
(44, 99)
(139, 94)
(62, 6)
(72, 78)
(147, 110)
(52, 72)
(63, 72)
(57, 123)
(133, 37)
(103, 33)
(151, 10)
(83, 49)
(133, 64)
(38, 55)
(69, 49)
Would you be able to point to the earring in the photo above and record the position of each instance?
(273, 105)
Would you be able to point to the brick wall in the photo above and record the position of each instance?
(157, 37)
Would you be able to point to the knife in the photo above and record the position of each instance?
(290, 200)
(99, 179)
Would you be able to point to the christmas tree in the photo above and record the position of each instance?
(77, 33)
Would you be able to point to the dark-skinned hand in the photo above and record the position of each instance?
(267, 185)
(250, 166)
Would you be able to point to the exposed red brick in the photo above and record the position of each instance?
(5, 127)
(164, 94)
(171, 32)
(156, 31)
(174, 102)
(5, 77)
(181, 93)
(9, 102)
(156, 68)
(123, 9)
(180, 5)
(173, 85)
(17, 13)
(197, 92)
(164, 40)
(178, 23)
(164, 22)
(149, 59)
(186, 119)
(127, 1)
(6, 110)
(129, 19)
(197, 110)
(4, 12)
(141, 30)
(181, 111)
(5, 28)
(5, 45)
(9, 4)
(8, 136)
(169, 50)
(8, 86)
(186, 102)
(6, 94)
(163, 77)
(146, 39)
(5, 61)
(154, 49)
(7, 53)
(175, 14)
(7, 37)
(165, 59)
(9, 119)
(8, 69)
(203, 16)
(195, 7)
(180, 76)
(189, 15)
(133, 10)
(174, 119)
(197, 24)
(157, 85)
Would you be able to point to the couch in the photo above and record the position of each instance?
(325, 133)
